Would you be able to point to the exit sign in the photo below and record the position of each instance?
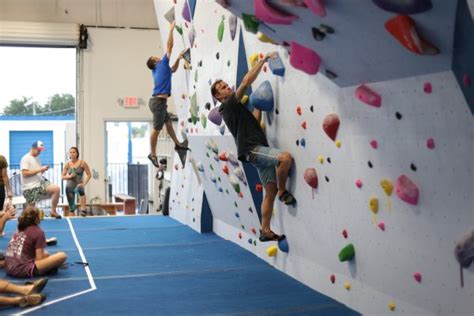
(130, 102)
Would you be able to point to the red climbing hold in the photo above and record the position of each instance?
(240, 235)
(407, 190)
(225, 169)
(332, 278)
(430, 143)
(266, 13)
(368, 96)
(304, 59)
(311, 177)
(331, 125)
(316, 6)
(403, 28)
(303, 125)
(344, 234)
(223, 156)
(298, 110)
(258, 187)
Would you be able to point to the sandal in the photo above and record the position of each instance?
(287, 198)
(31, 300)
(53, 241)
(270, 236)
(153, 160)
(38, 285)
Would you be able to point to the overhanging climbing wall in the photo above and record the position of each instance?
(394, 175)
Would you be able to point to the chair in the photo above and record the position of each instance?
(15, 184)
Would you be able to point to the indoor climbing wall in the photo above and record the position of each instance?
(380, 129)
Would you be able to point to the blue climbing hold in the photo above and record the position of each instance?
(283, 245)
(276, 66)
(303, 142)
(262, 98)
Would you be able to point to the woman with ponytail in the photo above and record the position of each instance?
(25, 256)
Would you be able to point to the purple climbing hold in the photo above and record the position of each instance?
(407, 190)
(405, 6)
(186, 13)
(215, 117)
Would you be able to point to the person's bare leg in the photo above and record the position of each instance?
(170, 130)
(53, 189)
(49, 263)
(284, 164)
(7, 301)
(82, 202)
(153, 139)
(7, 215)
(8, 287)
(267, 205)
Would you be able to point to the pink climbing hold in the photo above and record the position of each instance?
(373, 144)
(430, 143)
(304, 59)
(381, 225)
(368, 96)
(303, 125)
(407, 190)
(417, 276)
(427, 88)
(466, 80)
(311, 177)
(331, 125)
(316, 6)
(266, 13)
(358, 183)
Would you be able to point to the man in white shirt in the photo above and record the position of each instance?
(34, 185)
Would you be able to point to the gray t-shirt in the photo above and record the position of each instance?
(243, 126)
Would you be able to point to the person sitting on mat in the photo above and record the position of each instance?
(7, 213)
(29, 294)
(162, 71)
(271, 163)
(25, 256)
(73, 173)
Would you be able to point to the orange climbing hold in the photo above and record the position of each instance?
(331, 125)
(225, 169)
(403, 28)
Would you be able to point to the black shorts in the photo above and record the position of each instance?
(159, 108)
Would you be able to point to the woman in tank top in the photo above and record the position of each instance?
(73, 173)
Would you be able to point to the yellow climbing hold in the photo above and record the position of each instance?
(272, 251)
(244, 99)
(338, 143)
(374, 204)
(321, 159)
(253, 59)
(347, 286)
(387, 186)
(391, 305)
(263, 38)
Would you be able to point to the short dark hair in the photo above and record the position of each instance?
(27, 218)
(214, 88)
(150, 63)
(77, 150)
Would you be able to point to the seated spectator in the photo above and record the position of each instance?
(6, 214)
(35, 186)
(29, 293)
(25, 256)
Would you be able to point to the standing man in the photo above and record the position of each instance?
(162, 71)
(34, 185)
(4, 182)
(272, 164)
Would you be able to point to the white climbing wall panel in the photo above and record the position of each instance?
(417, 238)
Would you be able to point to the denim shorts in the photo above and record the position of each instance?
(159, 108)
(265, 160)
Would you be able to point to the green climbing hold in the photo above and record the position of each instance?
(347, 253)
(207, 154)
(219, 179)
(227, 191)
(228, 63)
(203, 120)
(220, 30)
(211, 167)
(194, 109)
(250, 23)
(243, 227)
(179, 29)
(236, 205)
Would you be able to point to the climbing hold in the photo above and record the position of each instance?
(240, 175)
(200, 166)
(298, 110)
(223, 156)
(427, 87)
(311, 177)
(224, 3)
(210, 144)
(254, 231)
(407, 190)
(251, 23)
(321, 159)
(169, 16)
(220, 30)
(186, 13)
(178, 29)
(381, 225)
(232, 159)
(373, 144)
(326, 178)
(262, 97)
(392, 306)
(370, 164)
(240, 235)
(263, 38)
(358, 183)
(232, 26)
(412, 167)
(207, 106)
(237, 215)
(403, 28)
(430, 143)
(303, 142)
(338, 143)
(244, 99)
(417, 276)
(235, 183)
(330, 74)
(217, 55)
(466, 80)
(398, 115)
(331, 125)
(276, 65)
(316, 6)
(241, 194)
(250, 210)
(216, 158)
(250, 240)
(258, 187)
(221, 190)
(191, 37)
(266, 13)
(404, 7)
(344, 233)
(222, 129)
(374, 204)
(214, 116)
(317, 34)
(277, 112)
(225, 169)
(346, 253)
(304, 59)
(332, 278)
(283, 245)
(272, 251)
(303, 125)
(253, 59)
(368, 96)
(347, 286)
(213, 179)
(203, 120)
(311, 108)
(387, 186)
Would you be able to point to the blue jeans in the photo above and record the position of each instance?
(265, 160)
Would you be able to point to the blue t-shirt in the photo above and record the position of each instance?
(162, 77)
